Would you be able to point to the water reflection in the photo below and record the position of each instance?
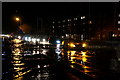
(80, 60)
(43, 72)
(18, 64)
(35, 62)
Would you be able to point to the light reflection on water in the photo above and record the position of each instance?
(18, 65)
(43, 73)
(79, 59)
(21, 67)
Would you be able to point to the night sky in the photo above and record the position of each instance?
(29, 12)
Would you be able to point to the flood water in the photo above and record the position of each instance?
(27, 62)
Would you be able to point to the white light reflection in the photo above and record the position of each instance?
(58, 46)
(38, 40)
(44, 40)
(26, 38)
(29, 39)
(34, 52)
(58, 42)
(19, 37)
(33, 40)
(38, 66)
(38, 52)
(44, 51)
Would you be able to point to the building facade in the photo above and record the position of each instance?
(72, 27)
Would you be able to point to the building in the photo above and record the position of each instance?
(109, 28)
(76, 27)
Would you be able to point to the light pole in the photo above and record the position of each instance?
(19, 23)
(18, 20)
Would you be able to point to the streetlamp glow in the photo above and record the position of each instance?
(17, 19)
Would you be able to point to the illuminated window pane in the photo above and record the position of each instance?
(119, 15)
(83, 17)
(53, 27)
(75, 18)
(119, 29)
(90, 22)
(53, 22)
(63, 20)
(118, 22)
(68, 20)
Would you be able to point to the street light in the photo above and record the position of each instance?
(17, 19)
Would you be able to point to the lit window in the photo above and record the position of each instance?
(119, 29)
(81, 37)
(53, 27)
(118, 22)
(53, 22)
(63, 20)
(90, 22)
(68, 20)
(67, 35)
(83, 17)
(75, 18)
(113, 35)
(119, 15)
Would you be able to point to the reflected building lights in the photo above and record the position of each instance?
(73, 53)
(17, 63)
(29, 39)
(83, 53)
(71, 44)
(38, 40)
(84, 59)
(44, 52)
(44, 40)
(84, 45)
(17, 40)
